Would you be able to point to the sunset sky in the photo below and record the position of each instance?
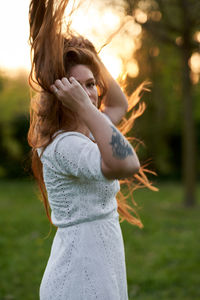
(95, 21)
(14, 50)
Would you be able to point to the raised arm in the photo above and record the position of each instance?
(119, 159)
(115, 104)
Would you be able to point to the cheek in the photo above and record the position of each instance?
(95, 93)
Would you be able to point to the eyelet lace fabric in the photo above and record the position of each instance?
(87, 258)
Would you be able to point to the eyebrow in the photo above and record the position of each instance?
(89, 79)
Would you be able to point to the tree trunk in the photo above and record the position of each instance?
(189, 166)
(189, 151)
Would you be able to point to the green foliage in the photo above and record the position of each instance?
(14, 122)
(162, 259)
(14, 96)
(165, 37)
(160, 126)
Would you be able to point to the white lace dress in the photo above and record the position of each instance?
(87, 259)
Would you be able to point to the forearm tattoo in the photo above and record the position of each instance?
(120, 147)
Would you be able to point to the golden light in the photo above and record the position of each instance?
(137, 29)
(197, 36)
(179, 41)
(137, 43)
(123, 47)
(80, 24)
(194, 62)
(156, 16)
(133, 29)
(194, 77)
(92, 19)
(132, 68)
(112, 63)
(110, 20)
(84, 21)
(140, 16)
(145, 5)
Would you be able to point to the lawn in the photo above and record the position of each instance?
(163, 259)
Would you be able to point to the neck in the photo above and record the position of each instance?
(82, 128)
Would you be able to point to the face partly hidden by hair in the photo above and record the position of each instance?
(85, 55)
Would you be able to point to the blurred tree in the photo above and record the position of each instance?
(14, 106)
(160, 127)
(174, 23)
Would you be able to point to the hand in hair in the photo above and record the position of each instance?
(71, 94)
(119, 159)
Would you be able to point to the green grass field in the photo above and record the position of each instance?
(163, 259)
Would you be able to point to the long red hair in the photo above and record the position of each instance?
(53, 54)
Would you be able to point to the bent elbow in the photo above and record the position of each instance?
(133, 169)
(136, 167)
(121, 172)
(128, 171)
(133, 166)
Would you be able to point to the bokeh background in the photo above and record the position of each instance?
(154, 40)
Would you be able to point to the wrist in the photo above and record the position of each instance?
(86, 111)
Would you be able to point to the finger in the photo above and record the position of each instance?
(73, 80)
(65, 81)
(58, 83)
(54, 89)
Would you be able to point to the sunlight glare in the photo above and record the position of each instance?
(132, 68)
(194, 77)
(111, 20)
(112, 63)
(140, 16)
(197, 36)
(194, 63)
(80, 24)
(93, 19)
(84, 22)
(132, 28)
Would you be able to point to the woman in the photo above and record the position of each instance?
(78, 155)
(87, 258)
